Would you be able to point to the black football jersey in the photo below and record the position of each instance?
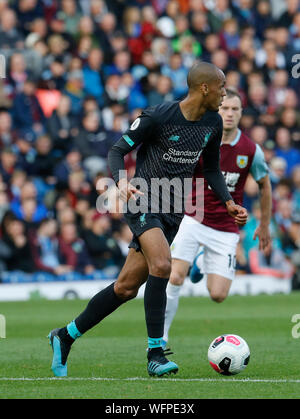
(169, 149)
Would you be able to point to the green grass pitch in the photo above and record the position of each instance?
(109, 362)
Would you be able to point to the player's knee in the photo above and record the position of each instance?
(161, 268)
(218, 296)
(125, 289)
(124, 292)
(176, 278)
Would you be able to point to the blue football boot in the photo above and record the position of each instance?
(61, 351)
(195, 273)
(158, 364)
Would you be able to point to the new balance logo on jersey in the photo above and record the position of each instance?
(206, 138)
(174, 138)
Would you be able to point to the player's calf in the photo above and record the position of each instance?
(218, 287)
(217, 297)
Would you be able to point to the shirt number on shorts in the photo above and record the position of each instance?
(231, 261)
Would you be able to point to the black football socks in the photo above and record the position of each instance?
(106, 301)
(155, 306)
(99, 307)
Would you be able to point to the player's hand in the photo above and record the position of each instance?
(264, 237)
(127, 191)
(239, 213)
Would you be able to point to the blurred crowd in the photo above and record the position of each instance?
(79, 72)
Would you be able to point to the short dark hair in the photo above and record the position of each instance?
(233, 92)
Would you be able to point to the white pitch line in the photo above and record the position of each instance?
(204, 380)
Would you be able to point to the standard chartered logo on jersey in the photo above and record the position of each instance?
(182, 156)
(2, 326)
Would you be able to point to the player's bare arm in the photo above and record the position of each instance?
(265, 199)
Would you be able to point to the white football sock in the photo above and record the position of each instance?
(173, 292)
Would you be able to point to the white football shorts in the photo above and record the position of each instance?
(219, 247)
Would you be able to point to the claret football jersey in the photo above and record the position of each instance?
(238, 159)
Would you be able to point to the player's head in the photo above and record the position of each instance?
(231, 110)
(207, 81)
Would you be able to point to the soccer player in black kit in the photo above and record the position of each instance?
(171, 137)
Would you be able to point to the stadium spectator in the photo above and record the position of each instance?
(44, 160)
(74, 90)
(277, 169)
(27, 111)
(10, 36)
(61, 126)
(282, 190)
(29, 194)
(74, 249)
(17, 181)
(78, 187)
(218, 13)
(283, 217)
(27, 11)
(177, 73)
(162, 91)
(103, 249)
(120, 64)
(106, 29)
(230, 38)
(15, 237)
(70, 15)
(289, 118)
(66, 215)
(259, 134)
(8, 163)
(92, 74)
(286, 18)
(285, 149)
(7, 134)
(45, 248)
(24, 149)
(199, 26)
(262, 16)
(54, 77)
(70, 164)
(17, 74)
(92, 139)
(123, 235)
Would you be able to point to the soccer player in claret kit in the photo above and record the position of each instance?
(217, 234)
(171, 137)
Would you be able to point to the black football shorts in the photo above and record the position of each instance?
(139, 223)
